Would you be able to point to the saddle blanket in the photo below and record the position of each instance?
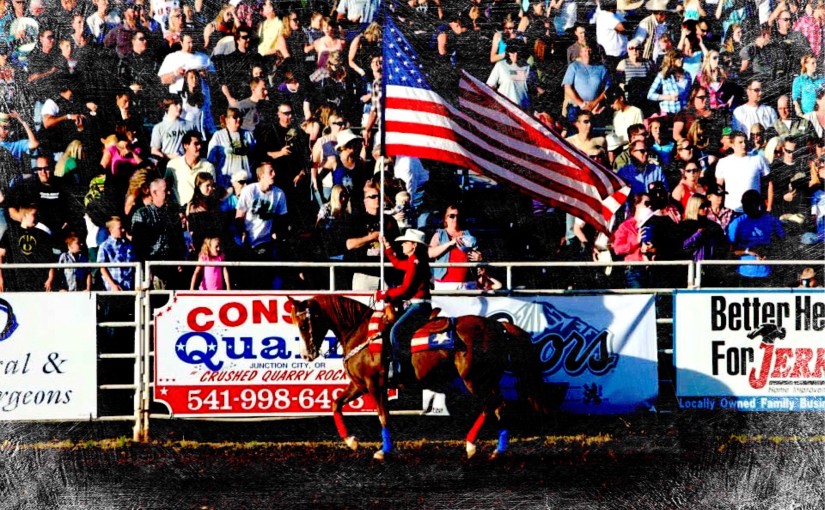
(423, 340)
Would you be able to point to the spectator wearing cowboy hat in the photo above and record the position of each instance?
(652, 27)
(350, 169)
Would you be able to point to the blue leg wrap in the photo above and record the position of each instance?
(503, 439)
(385, 437)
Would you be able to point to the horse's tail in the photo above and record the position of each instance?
(525, 363)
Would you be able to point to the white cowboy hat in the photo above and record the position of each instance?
(628, 5)
(657, 5)
(416, 236)
(614, 142)
(345, 137)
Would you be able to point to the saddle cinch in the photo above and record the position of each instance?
(437, 334)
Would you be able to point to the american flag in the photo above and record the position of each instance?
(489, 134)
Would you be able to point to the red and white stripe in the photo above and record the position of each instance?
(493, 136)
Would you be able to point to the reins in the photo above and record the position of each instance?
(358, 323)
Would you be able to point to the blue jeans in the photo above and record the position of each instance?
(415, 316)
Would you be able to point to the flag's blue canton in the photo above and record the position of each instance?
(401, 65)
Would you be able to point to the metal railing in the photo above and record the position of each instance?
(141, 352)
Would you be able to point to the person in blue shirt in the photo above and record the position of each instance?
(17, 147)
(585, 85)
(640, 172)
(752, 236)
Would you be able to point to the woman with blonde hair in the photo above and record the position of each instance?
(137, 194)
(69, 160)
(362, 48)
(702, 238)
(805, 86)
(714, 78)
(293, 42)
(331, 218)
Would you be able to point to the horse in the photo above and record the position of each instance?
(484, 349)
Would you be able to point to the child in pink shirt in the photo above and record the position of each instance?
(214, 277)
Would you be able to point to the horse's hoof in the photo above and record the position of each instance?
(352, 442)
(471, 450)
(495, 454)
(379, 455)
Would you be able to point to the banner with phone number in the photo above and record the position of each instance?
(239, 355)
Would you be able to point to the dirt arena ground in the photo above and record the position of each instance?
(617, 463)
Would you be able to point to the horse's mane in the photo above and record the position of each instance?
(345, 311)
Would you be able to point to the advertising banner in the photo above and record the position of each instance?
(603, 346)
(48, 356)
(239, 355)
(750, 350)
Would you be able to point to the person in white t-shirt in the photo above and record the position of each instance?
(609, 30)
(174, 66)
(740, 172)
(261, 219)
(753, 112)
(513, 77)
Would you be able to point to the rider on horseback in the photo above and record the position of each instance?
(414, 293)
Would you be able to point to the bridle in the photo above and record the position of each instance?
(305, 317)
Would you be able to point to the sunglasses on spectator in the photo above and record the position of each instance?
(691, 170)
(452, 216)
(243, 37)
(339, 123)
(645, 202)
(286, 114)
(756, 90)
(43, 168)
(370, 197)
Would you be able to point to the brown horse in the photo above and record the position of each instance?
(484, 348)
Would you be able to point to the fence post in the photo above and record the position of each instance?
(147, 348)
(138, 433)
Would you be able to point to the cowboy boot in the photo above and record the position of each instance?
(393, 373)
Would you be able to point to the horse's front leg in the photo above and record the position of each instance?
(379, 393)
(350, 393)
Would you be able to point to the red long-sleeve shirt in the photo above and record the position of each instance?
(626, 241)
(416, 284)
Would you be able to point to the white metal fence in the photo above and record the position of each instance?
(137, 323)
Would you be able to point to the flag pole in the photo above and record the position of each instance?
(382, 139)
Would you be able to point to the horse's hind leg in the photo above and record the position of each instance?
(350, 393)
(503, 432)
(494, 402)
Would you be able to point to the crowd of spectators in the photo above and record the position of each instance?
(171, 130)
